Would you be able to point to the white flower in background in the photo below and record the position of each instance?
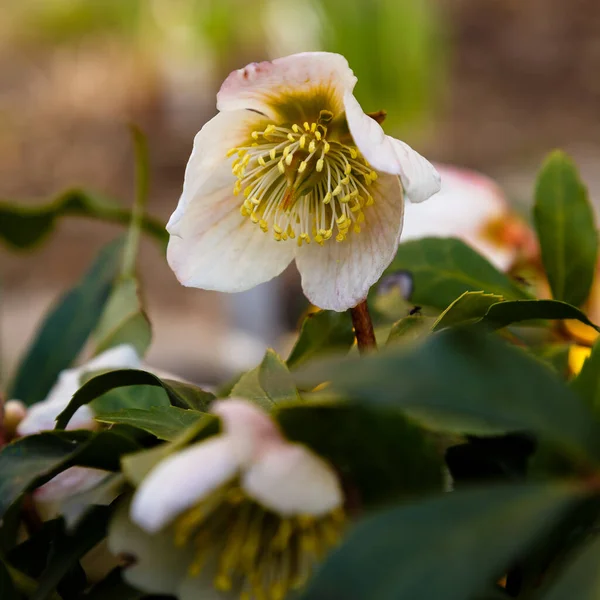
(42, 415)
(246, 511)
(74, 490)
(292, 169)
(473, 208)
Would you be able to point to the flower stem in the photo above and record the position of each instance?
(363, 327)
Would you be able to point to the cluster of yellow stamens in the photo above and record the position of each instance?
(301, 186)
(252, 551)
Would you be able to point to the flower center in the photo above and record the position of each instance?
(301, 186)
(259, 554)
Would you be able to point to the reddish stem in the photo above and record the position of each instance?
(363, 327)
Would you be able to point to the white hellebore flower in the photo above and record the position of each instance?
(473, 208)
(292, 168)
(248, 509)
(74, 490)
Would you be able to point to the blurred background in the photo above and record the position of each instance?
(486, 84)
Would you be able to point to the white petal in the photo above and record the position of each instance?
(42, 416)
(215, 248)
(263, 86)
(242, 419)
(159, 565)
(181, 480)
(208, 168)
(419, 178)
(123, 356)
(291, 480)
(338, 275)
(466, 206)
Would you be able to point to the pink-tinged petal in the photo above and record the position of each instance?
(247, 424)
(183, 479)
(42, 416)
(291, 480)
(209, 168)
(158, 564)
(419, 178)
(338, 275)
(265, 86)
(473, 208)
(215, 248)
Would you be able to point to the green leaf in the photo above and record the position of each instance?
(581, 579)
(112, 587)
(468, 308)
(394, 457)
(7, 588)
(445, 268)
(66, 328)
(464, 380)
(23, 226)
(70, 548)
(124, 320)
(164, 422)
(409, 329)
(269, 384)
(564, 221)
(448, 547)
(322, 332)
(135, 396)
(32, 461)
(183, 395)
(587, 382)
(506, 313)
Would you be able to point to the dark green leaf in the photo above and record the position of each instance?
(322, 332)
(135, 396)
(66, 328)
(587, 382)
(164, 422)
(409, 329)
(555, 355)
(23, 226)
(70, 548)
(448, 547)
(267, 385)
(468, 308)
(112, 587)
(445, 268)
(31, 461)
(394, 457)
(564, 220)
(7, 588)
(506, 313)
(183, 395)
(123, 320)
(467, 381)
(581, 579)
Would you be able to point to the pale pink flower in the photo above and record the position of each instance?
(473, 208)
(291, 168)
(247, 485)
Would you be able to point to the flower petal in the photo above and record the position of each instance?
(338, 275)
(42, 415)
(247, 423)
(123, 356)
(291, 480)
(419, 178)
(181, 480)
(471, 207)
(209, 168)
(215, 248)
(159, 566)
(265, 86)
